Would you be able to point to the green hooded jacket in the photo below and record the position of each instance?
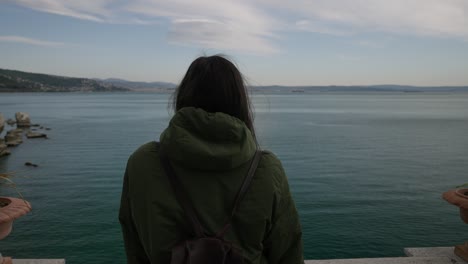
(210, 153)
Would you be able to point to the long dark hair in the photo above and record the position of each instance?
(214, 84)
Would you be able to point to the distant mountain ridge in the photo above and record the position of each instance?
(19, 81)
(360, 88)
(138, 86)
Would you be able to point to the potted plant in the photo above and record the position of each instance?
(459, 197)
(10, 208)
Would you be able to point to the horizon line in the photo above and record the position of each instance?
(263, 85)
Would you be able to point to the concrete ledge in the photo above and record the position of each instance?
(38, 261)
(400, 260)
(428, 255)
(434, 252)
(430, 252)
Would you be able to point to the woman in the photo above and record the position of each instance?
(210, 142)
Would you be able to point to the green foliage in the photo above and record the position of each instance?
(463, 185)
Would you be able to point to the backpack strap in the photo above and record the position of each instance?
(187, 205)
(242, 191)
(181, 196)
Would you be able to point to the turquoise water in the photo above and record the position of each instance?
(366, 170)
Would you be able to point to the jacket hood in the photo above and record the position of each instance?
(202, 140)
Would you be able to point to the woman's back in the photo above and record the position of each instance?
(210, 153)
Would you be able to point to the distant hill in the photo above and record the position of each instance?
(360, 88)
(18, 81)
(139, 86)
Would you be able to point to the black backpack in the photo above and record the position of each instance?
(205, 249)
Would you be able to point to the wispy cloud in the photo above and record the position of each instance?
(231, 25)
(225, 25)
(317, 26)
(254, 25)
(30, 41)
(442, 18)
(94, 10)
(216, 34)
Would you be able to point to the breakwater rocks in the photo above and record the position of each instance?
(2, 122)
(11, 122)
(22, 119)
(3, 146)
(14, 136)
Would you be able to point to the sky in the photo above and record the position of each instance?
(273, 42)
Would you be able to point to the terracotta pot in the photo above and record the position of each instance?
(464, 215)
(6, 260)
(14, 209)
(459, 197)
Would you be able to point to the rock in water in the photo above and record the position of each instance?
(11, 122)
(31, 134)
(3, 148)
(2, 122)
(22, 119)
(31, 164)
(14, 137)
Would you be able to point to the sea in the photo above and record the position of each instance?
(366, 170)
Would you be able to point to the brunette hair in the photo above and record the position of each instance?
(214, 84)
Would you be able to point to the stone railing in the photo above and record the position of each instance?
(430, 255)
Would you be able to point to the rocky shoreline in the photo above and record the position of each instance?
(14, 136)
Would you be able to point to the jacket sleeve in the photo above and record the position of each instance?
(133, 247)
(283, 243)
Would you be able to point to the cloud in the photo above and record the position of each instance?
(439, 18)
(225, 25)
(317, 26)
(255, 25)
(94, 10)
(217, 34)
(30, 41)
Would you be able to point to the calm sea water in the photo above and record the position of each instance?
(366, 170)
